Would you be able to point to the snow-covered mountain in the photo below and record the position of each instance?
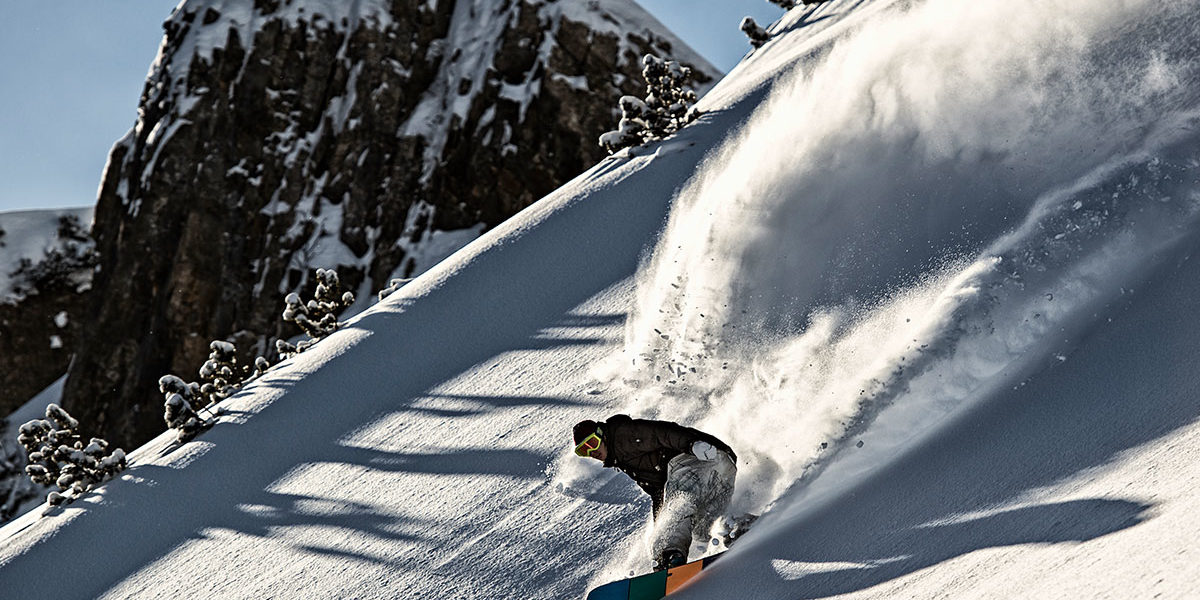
(372, 137)
(927, 266)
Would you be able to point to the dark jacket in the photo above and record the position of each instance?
(641, 448)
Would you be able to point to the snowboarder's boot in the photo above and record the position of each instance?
(671, 557)
(734, 528)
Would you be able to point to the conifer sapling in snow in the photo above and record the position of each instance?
(663, 111)
(318, 317)
(790, 4)
(221, 374)
(56, 455)
(182, 401)
(758, 36)
(220, 377)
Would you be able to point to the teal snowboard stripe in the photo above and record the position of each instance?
(617, 590)
(652, 586)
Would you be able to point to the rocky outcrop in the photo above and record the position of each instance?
(47, 259)
(36, 338)
(278, 136)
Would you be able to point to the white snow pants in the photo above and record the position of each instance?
(697, 493)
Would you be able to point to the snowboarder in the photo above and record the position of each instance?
(688, 474)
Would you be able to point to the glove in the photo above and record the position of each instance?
(704, 451)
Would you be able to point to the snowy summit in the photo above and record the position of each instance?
(926, 266)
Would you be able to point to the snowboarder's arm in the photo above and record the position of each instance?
(704, 450)
(676, 439)
(687, 440)
(671, 436)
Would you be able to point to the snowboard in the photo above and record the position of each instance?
(652, 586)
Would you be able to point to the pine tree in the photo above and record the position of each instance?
(667, 102)
(790, 4)
(318, 317)
(182, 401)
(220, 377)
(758, 36)
(664, 110)
(56, 455)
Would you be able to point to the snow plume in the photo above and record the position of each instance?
(805, 288)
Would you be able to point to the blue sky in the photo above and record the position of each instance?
(71, 73)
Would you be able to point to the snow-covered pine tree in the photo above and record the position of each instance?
(318, 317)
(183, 400)
(220, 377)
(790, 4)
(667, 99)
(758, 36)
(286, 349)
(56, 454)
(664, 110)
(629, 132)
(221, 374)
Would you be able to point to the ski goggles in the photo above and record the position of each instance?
(589, 445)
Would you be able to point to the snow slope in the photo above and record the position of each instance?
(925, 265)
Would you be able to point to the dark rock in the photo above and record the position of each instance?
(43, 312)
(343, 135)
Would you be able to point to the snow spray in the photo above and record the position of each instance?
(916, 218)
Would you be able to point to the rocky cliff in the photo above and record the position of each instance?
(46, 265)
(46, 260)
(275, 137)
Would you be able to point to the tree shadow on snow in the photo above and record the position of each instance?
(273, 511)
(816, 570)
(520, 464)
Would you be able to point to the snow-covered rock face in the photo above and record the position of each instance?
(276, 137)
(46, 263)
